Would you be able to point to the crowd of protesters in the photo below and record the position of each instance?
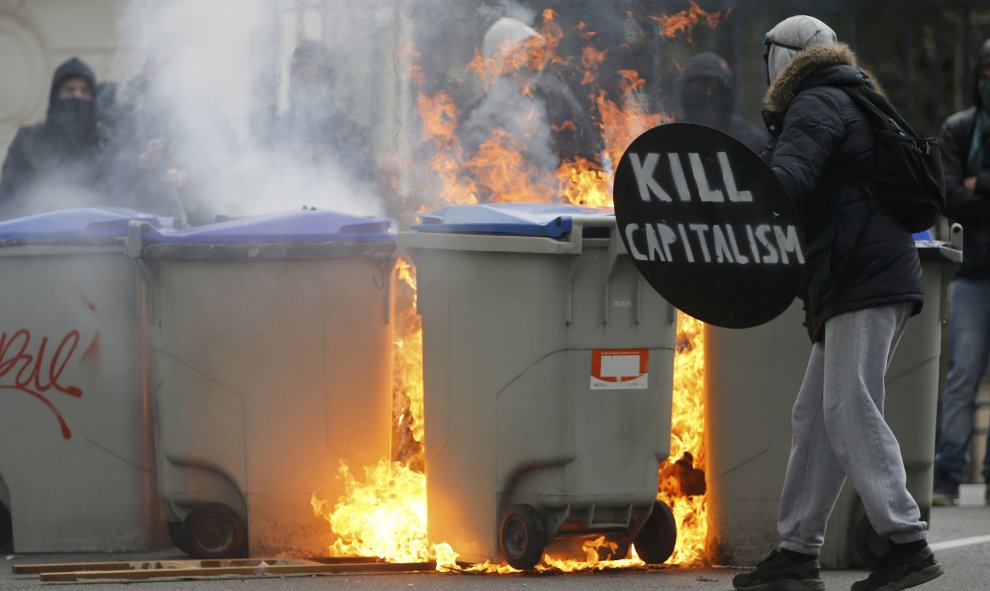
(100, 145)
(124, 146)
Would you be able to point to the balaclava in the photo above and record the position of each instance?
(72, 120)
(311, 82)
(790, 36)
(706, 90)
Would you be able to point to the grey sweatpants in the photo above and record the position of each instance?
(839, 432)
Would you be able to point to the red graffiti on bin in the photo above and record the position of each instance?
(31, 370)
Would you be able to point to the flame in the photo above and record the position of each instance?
(620, 126)
(439, 115)
(384, 514)
(583, 32)
(686, 20)
(501, 169)
(530, 55)
(591, 59)
(407, 364)
(552, 33)
(682, 482)
(583, 183)
(446, 559)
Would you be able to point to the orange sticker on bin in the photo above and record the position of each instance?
(619, 369)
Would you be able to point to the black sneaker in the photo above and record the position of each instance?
(780, 573)
(945, 493)
(896, 570)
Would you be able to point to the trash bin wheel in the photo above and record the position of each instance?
(175, 534)
(522, 536)
(213, 530)
(655, 541)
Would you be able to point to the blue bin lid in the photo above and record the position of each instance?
(279, 228)
(78, 223)
(549, 220)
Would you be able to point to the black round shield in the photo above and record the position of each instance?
(709, 225)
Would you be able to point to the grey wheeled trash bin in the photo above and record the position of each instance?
(77, 470)
(547, 382)
(752, 379)
(271, 352)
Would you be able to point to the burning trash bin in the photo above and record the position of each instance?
(77, 464)
(752, 379)
(271, 353)
(547, 382)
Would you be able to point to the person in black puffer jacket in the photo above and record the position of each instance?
(863, 283)
(965, 143)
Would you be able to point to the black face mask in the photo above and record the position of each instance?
(73, 120)
(704, 100)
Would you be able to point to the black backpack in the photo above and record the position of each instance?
(908, 177)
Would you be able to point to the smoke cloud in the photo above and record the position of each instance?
(219, 91)
(211, 79)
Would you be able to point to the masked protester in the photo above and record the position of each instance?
(707, 96)
(535, 109)
(313, 128)
(965, 144)
(154, 158)
(863, 283)
(56, 162)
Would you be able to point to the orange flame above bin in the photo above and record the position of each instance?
(384, 515)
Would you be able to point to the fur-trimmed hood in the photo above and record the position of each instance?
(785, 86)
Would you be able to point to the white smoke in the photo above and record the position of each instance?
(507, 106)
(216, 74)
(221, 77)
(510, 9)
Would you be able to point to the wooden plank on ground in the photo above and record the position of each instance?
(57, 567)
(258, 569)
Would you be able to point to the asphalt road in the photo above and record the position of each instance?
(960, 536)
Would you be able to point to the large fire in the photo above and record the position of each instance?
(686, 20)
(384, 515)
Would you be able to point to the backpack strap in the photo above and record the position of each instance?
(877, 106)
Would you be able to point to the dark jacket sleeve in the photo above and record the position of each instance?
(812, 128)
(17, 167)
(747, 133)
(955, 138)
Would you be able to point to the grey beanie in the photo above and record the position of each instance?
(505, 34)
(792, 35)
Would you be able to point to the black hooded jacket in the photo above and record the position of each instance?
(970, 208)
(858, 255)
(707, 96)
(62, 151)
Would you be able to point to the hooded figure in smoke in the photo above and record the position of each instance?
(56, 162)
(537, 110)
(313, 128)
(154, 160)
(707, 95)
(863, 282)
